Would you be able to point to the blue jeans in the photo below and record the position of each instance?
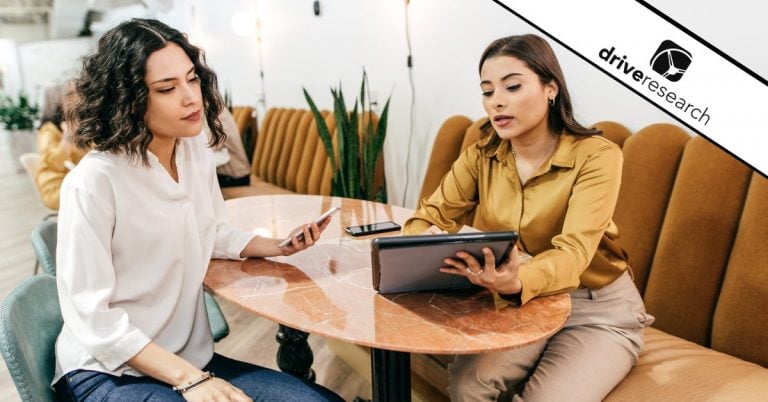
(259, 383)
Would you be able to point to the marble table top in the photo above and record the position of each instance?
(327, 289)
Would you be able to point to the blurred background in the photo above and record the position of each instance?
(265, 51)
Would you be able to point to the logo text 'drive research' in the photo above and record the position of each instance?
(671, 62)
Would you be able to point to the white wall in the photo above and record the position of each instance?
(51, 62)
(234, 58)
(447, 36)
(10, 72)
(737, 27)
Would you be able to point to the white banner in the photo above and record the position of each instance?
(665, 65)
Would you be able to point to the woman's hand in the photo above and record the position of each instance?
(503, 279)
(169, 368)
(432, 230)
(216, 390)
(301, 238)
(304, 237)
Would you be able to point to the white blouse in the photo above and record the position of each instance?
(133, 249)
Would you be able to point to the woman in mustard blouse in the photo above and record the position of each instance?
(539, 172)
(58, 157)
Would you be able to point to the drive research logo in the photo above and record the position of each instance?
(671, 60)
(674, 71)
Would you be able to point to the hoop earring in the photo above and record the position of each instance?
(552, 102)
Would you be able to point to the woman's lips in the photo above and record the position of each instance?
(193, 117)
(502, 120)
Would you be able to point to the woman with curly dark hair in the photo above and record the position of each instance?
(140, 217)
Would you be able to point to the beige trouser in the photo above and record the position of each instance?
(584, 361)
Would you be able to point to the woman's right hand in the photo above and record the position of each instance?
(216, 390)
(504, 279)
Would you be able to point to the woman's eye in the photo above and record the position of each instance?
(513, 88)
(165, 90)
(194, 79)
(487, 93)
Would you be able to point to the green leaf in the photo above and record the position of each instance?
(322, 128)
(378, 142)
(349, 139)
(339, 111)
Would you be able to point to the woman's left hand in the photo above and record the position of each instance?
(503, 279)
(304, 236)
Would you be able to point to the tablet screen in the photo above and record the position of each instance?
(412, 263)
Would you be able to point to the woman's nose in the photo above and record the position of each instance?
(190, 96)
(498, 101)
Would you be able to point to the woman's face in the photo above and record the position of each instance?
(174, 102)
(514, 98)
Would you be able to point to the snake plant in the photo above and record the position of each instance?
(360, 140)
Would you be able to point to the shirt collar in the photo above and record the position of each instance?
(563, 156)
(154, 158)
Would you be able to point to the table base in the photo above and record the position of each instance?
(294, 356)
(391, 375)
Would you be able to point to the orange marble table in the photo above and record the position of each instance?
(327, 290)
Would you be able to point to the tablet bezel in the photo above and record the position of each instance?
(450, 243)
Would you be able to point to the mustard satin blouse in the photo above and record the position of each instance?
(563, 212)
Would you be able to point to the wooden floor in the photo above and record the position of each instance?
(251, 339)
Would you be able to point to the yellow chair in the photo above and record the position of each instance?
(445, 150)
(613, 131)
(289, 157)
(245, 118)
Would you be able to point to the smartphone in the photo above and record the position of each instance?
(372, 228)
(318, 221)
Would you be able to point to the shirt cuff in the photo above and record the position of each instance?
(237, 244)
(122, 351)
(501, 301)
(415, 226)
(532, 281)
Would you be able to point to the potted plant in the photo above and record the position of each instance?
(360, 140)
(17, 117)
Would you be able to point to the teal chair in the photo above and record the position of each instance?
(44, 244)
(30, 321)
(219, 326)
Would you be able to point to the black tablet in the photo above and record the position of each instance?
(412, 263)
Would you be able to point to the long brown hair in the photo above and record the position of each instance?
(536, 53)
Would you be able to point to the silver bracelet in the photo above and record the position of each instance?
(194, 383)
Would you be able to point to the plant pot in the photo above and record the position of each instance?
(20, 142)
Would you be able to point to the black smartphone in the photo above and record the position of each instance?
(372, 228)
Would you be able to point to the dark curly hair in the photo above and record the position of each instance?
(536, 53)
(110, 101)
